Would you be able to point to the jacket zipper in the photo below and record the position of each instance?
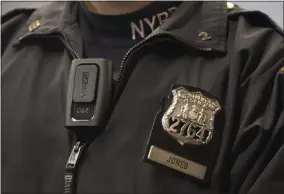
(141, 43)
(74, 157)
(70, 49)
(77, 150)
(70, 168)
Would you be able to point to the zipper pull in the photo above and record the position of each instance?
(70, 168)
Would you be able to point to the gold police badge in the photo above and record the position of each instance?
(190, 117)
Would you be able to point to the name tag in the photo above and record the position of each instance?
(176, 162)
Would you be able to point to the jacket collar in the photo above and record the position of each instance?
(199, 24)
(53, 17)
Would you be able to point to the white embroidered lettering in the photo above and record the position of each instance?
(135, 29)
(152, 23)
(162, 17)
(140, 30)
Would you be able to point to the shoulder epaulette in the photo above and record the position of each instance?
(235, 10)
(13, 13)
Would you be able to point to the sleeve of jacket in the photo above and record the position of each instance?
(11, 22)
(258, 151)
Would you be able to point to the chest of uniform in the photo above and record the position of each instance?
(145, 119)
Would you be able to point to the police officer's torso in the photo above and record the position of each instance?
(194, 60)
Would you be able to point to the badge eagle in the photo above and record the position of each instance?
(190, 117)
